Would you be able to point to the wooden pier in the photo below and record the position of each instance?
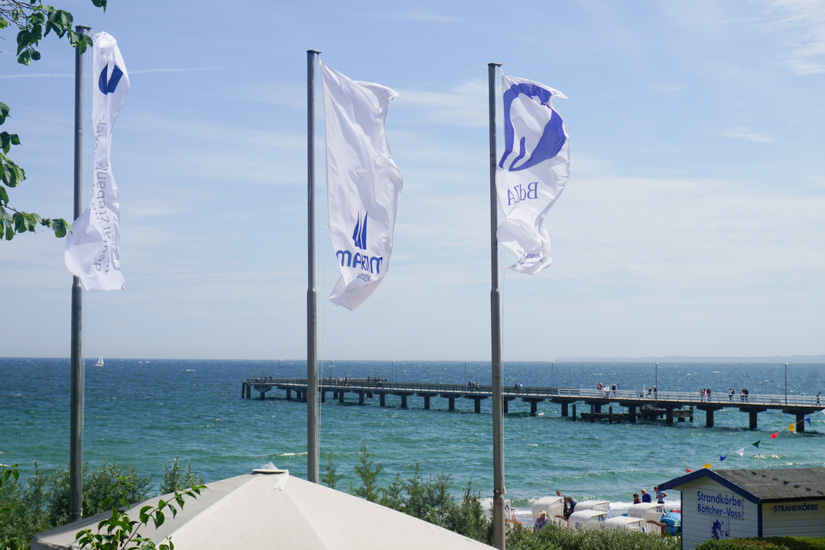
(632, 405)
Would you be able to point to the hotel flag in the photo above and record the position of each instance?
(532, 172)
(92, 249)
(363, 184)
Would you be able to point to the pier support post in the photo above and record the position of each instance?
(592, 413)
(631, 414)
(564, 411)
(361, 396)
(404, 401)
(451, 403)
(323, 396)
(243, 390)
(709, 418)
(610, 415)
(383, 399)
(752, 422)
(340, 396)
(534, 408)
(426, 402)
(505, 406)
(669, 416)
(288, 394)
(477, 405)
(800, 423)
(574, 412)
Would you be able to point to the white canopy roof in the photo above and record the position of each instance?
(274, 511)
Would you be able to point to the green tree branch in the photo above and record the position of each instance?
(33, 21)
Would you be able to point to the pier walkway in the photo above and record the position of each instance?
(669, 405)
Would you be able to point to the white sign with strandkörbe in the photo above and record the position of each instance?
(724, 505)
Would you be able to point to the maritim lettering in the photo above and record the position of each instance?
(370, 264)
(720, 504)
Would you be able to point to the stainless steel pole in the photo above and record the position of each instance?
(313, 453)
(495, 324)
(78, 388)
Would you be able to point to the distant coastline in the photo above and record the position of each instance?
(687, 359)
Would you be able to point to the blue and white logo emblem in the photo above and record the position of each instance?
(534, 100)
(359, 234)
(364, 262)
(108, 84)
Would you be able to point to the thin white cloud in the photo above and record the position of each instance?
(743, 132)
(37, 75)
(803, 24)
(138, 71)
(462, 105)
(425, 17)
(175, 70)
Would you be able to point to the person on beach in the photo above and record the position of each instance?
(818, 394)
(569, 506)
(730, 394)
(636, 498)
(660, 495)
(541, 521)
(646, 496)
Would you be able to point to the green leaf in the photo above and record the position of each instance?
(159, 518)
(9, 232)
(4, 112)
(100, 4)
(25, 58)
(4, 196)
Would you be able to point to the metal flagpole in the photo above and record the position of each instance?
(77, 371)
(313, 453)
(495, 322)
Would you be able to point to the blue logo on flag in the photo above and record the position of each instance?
(359, 235)
(547, 145)
(109, 86)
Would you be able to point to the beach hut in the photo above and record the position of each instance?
(722, 504)
(624, 522)
(593, 505)
(277, 511)
(553, 506)
(587, 519)
(651, 513)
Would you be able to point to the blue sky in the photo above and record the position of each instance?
(692, 223)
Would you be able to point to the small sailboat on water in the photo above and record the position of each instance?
(99, 361)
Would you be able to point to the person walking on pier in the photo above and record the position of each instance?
(730, 395)
(818, 394)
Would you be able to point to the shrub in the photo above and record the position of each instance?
(765, 543)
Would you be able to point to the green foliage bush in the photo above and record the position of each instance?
(42, 501)
(554, 537)
(766, 543)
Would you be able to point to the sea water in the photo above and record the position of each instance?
(147, 412)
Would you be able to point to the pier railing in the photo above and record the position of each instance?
(775, 401)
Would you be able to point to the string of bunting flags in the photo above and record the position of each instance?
(741, 452)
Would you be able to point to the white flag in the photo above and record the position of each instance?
(532, 172)
(363, 184)
(92, 249)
